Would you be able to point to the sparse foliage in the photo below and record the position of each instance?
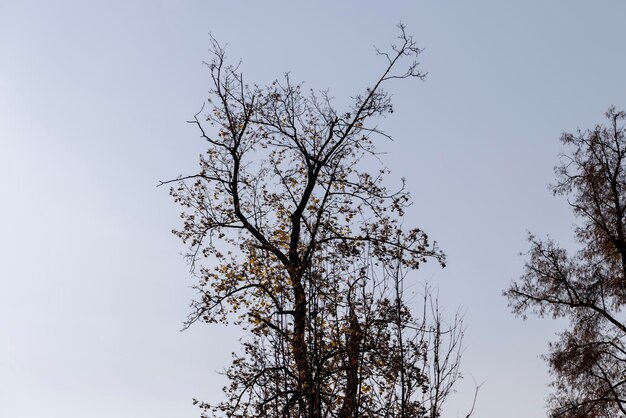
(588, 361)
(293, 241)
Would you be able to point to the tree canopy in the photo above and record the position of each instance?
(588, 287)
(293, 240)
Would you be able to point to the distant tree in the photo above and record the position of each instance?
(588, 361)
(307, 252)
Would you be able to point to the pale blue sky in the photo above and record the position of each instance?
(94, 96)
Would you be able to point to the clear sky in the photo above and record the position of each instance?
(94, 96)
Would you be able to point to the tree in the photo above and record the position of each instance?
(291, 240)
(588, 361)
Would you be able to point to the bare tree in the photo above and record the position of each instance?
(306, 251)
(444, 345)
(588, 361)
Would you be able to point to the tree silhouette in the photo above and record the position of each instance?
(588, 361)
(293, 241)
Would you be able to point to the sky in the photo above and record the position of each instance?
(94, 99)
